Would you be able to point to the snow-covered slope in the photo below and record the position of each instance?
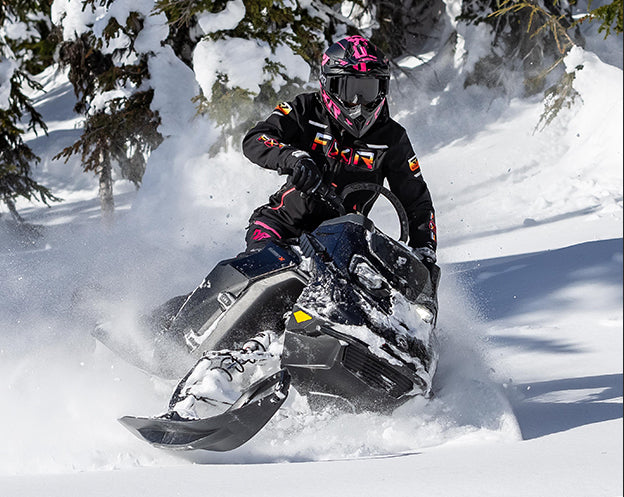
(529, 389)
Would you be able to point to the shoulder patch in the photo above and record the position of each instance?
(284, 108)
(413, 164)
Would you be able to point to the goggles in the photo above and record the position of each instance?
(353, 90)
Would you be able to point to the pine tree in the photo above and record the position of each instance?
(108, 74)
(610, 16)
(278, 25)
(530, 36)
(19, 58)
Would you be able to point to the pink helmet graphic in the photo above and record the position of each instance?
(354, 83)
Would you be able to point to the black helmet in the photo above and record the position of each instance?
(354, 83)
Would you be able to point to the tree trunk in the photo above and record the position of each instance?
(11, 205)
(107, 203)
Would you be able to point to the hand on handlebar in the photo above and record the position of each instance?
(305, 175)
(425, 254)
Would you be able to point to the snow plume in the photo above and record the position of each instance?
(192, 199)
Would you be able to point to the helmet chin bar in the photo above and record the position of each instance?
(356, 120)
(354, 111)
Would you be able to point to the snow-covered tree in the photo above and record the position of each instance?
(279, 41)
(530, 37)
(24, 50)
(107, 45)
(235, 59)
(117, 51)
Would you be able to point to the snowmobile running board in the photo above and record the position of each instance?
(226, 431)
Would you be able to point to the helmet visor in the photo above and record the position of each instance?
(353, 90)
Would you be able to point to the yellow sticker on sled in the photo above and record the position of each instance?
(301, 316)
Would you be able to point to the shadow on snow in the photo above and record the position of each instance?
(592, 399)
(508, 287)
(525, 288)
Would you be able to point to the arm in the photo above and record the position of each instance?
(268, 142)
(407, 183)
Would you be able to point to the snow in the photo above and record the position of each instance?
(7, 68)
(242, 62)
(172, 97)
(529, 386)
(228, 18)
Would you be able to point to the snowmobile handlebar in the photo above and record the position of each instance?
(328, 195)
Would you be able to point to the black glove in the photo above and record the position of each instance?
(304, 173)
(425, 254)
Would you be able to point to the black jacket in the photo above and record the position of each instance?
(385, 152)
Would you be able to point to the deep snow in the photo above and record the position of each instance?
(529, 389)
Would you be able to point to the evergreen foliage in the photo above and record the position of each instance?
(20, 57)
(611, 16)
(528, 35)
(558, 96)
(121, 132)
(35, 48)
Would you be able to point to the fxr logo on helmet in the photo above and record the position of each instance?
(360, 52)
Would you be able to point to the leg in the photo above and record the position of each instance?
(220, 377)
(259, 234)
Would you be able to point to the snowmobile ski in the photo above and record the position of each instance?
(220, 433)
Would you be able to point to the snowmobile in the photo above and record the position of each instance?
(354, 309)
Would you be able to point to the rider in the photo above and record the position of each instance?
(340, 135)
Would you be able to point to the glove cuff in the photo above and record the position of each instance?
(291, 160)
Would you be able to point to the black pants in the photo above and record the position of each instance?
(259, 233)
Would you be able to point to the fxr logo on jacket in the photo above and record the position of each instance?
(361, 159)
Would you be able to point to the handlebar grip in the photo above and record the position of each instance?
(331, 198)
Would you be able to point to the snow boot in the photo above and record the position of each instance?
(220, 377)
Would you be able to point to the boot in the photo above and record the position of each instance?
(220, 377)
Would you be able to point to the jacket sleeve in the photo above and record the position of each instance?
(407, 183)
(268, 143)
